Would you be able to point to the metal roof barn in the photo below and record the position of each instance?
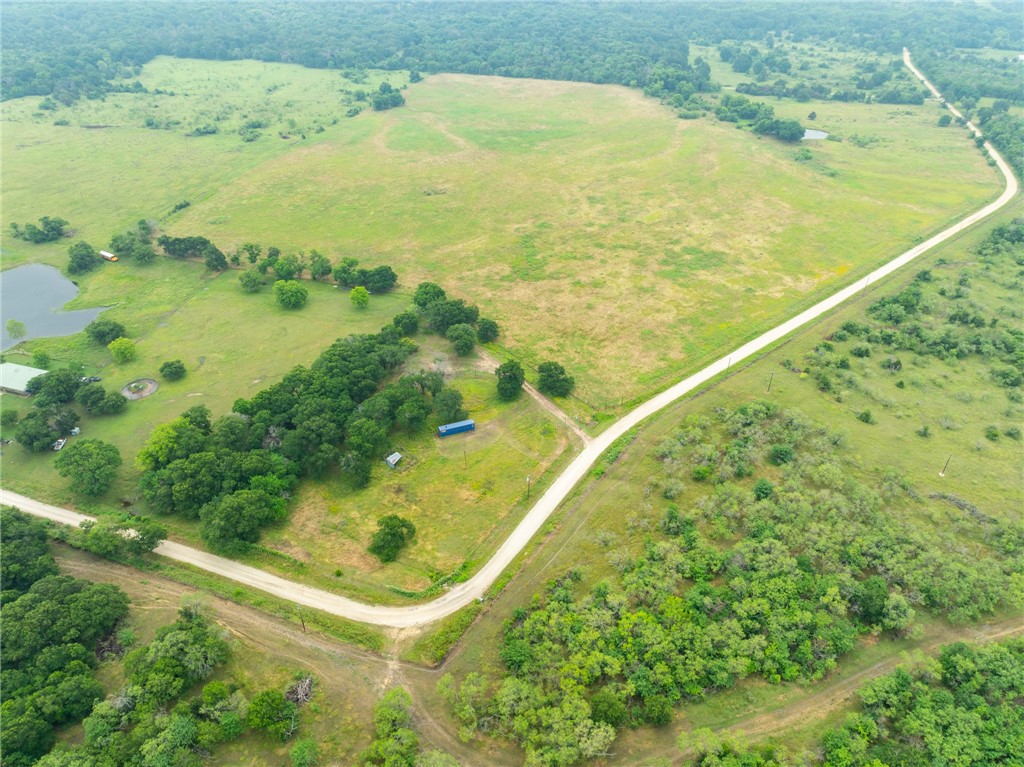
(14, 378)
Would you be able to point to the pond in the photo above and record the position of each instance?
(810, 134)
(33, 295)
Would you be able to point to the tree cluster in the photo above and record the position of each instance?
(690, 615)
(963, 708)
(194, 247)
(235, 473)
(453, 318)
(141, 725)
(934, 316)
(761, 117)
(387, 97)
(49, 230)
(82, 257)
(349, 274)
(135, 244)
(51, 625)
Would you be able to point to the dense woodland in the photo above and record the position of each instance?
(963, 708)
(69, 50)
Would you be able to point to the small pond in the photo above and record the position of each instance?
(34, 294)
(810, 134)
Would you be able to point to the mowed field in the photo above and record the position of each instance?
(597, 228)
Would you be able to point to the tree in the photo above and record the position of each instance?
(304, 753)
(360, 297)
(122, 350)
(272, 712)
(319, 265)
(38, 430)
(393, 534)
(238, 518)
(407, 323)
(486, 330)
(55, 387)
(445, 313)
(173, 370)
(90, 465)
(427, 293)
(463, 338)
(448, 405)
(553, 380)
(380, 279)
(288, 268)
(214, 259)
(105, 331)
(16, 330)
(345, 272)
(82, 258)
(290, 294)
(510, 380)
(250, 281)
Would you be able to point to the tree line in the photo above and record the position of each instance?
(960, 708)
(101, 49)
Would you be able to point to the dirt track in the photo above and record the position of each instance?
(476, 587)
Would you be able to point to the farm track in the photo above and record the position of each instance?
(476, 587)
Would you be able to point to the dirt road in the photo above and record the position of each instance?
(476, 587)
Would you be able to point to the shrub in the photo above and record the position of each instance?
(360, 297)
(1013, 432)
(763, 489)
(700, 473)
(250, 281)
(510, 380)
(486, 330)
(290, 294)
(407, 323)
(992, 433)
(8, 418)
(861, 350)
(865, 416)
(173, 370)
(393, 534)
(924, 431)
(780, 454)
(122, 350)
(463, 338)
(105, 331)
(553, 380)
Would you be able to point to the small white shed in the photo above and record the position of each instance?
(393, 459)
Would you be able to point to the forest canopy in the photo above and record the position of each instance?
(70, 50)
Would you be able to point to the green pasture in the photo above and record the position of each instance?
(232, 344)
(464, 494)
(567, 211)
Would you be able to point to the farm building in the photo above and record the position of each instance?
(456, 428)
(14, 378)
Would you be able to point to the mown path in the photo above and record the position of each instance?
(474, 588)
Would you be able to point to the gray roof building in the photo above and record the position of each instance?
(14, 378)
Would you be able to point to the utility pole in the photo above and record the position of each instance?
(527, 487)
(943, 472)
(770, 379)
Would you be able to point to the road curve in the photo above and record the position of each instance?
(475, 587)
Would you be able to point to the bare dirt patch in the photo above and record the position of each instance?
(140, 388)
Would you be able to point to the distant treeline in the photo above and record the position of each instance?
(70, 50)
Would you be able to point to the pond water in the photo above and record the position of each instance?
(34, 294)
(810, 134)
